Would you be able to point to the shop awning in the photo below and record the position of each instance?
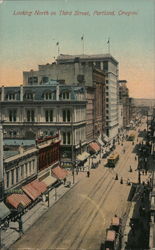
(4, 211)
(105, 138)
(34, 189)
(39, 186)
(83, 156)
(16, 200)
(59, 173)
(49, 180)
(94, 147)
(101, 142)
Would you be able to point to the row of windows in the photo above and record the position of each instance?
(46, 96)
(30, 115)
(20, 173)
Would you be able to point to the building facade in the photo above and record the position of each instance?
(99, 72)
(33, 111)
(20, 168)
(126, 102)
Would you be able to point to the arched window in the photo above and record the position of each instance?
(11, 96)
(65, 95)
(29, 96)
(49, 95)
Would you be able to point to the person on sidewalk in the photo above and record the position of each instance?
(116, 178)
(88, 174)
(130, 169)
(121, 181)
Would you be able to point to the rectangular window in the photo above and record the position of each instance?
(22, 172)
(33, 79)
(7, 179)
(26, 169)
(29, 167)
(30, 116)
(49, 115)
(68, 138)
(12, 177)
(17, 169)
(64, 138)
(66, 116)
(12, 115)
(33, 165)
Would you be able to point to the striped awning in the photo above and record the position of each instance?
(34, 189)
(94, 147)
(17, 200)
(4, 211)
(59, 173)
(50, 180)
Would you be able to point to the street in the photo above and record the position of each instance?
(80, 218)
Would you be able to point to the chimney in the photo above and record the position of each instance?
(1, 164)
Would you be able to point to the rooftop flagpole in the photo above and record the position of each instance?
(82, 40)
(57, 44)
(108, 43)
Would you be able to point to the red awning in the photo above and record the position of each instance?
(59, 173)
(34, 189)
(94, 147)
(39, 185)
(18, 199)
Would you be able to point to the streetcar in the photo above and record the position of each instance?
(113, 239)
(112, 160)
(132, 135)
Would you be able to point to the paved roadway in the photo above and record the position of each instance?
(80, 218)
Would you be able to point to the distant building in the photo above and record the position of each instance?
(120, 116)
(125, 100)
(99, 74)
(33, 111)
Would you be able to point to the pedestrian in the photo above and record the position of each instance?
(88, 174)
(130, 170)
(116, 178)
(121, 181)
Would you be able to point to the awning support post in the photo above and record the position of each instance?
(55, 194)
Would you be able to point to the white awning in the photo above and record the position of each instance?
(101, 142)
(49, 180)
(83, 156)
(105, 138)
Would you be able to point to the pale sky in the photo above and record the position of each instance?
(29, 40)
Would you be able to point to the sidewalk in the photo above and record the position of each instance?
(10, 235)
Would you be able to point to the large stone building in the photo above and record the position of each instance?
(33, 111)
(99, 74)
(126, 102)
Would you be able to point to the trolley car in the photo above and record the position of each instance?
(132, 136)
(112, 160)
